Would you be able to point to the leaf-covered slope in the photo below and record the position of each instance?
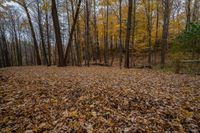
(97, 99)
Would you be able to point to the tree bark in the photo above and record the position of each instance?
(106, 54)
(42, 34)
(78, 46)
(96, 33)
(25, 51)
(188, 13)
(19, 62)
(133, 29)
(166, 4)
(196, 7)
(157, 26)
(120, 33)
(149, 27)
(72, 31)
(4, 50)
(33, 34)
(128, 31)
(87, 34)
(48, 39)
(56, 24)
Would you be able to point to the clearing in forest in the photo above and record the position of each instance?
(97, 99)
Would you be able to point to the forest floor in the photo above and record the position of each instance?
(97, 99)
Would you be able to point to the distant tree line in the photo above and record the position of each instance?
(85, 32)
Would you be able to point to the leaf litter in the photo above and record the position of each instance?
(97, 99)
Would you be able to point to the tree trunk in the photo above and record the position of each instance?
(166, 4)
(2, 54)
(128, 31)
(149, 31)
(188, 13)
(133, 29)
(33, 35)
(87, 34)
(157, 26)
(19, 63)
(72, 31)
(48, 40)
(195, 15)
(42, 34)
(106, 54)
(111, 50)
(97, 52)
(19, 43)
(149, 27)
(25, 51)
(78, 46)
(120, 33)
(4, 50)
(57, 34)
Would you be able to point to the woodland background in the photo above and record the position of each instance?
(125, 33)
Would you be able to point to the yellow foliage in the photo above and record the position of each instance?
(45, 6)
(186, 113)
(73, 114)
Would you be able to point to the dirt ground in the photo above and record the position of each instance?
(97, 99)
